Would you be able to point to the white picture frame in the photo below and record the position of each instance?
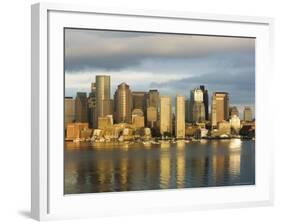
(47, 199)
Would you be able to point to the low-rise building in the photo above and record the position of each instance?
(73, 130)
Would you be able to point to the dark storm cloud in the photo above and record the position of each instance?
(91, 49)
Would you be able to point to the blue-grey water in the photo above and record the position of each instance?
(108, 167)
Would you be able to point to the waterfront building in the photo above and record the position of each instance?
(235, 124)
(123, 104)
(137, 121)
(105, 122)
(92, 106)
(69, 110)
(151, 117)
(180, 117)
(166, 115)
(248, 115)
(102, 96)
(220, 107)
(224, 127)
(205, 101)
(233, 111)
(197, 107)
(81, 107)
(73, 130)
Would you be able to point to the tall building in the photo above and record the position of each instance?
(69, 110)
(220, 107)
(166, 115)
(139, 100)
(187, 111)
(153, 98)
(151, 115)
(81, 107)
(248, 115)
(233, 111)
(92, 106)
(180, 117)
(205, 101)
(197, 107)
(123, 104)
(102, 95)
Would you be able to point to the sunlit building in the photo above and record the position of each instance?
(248, 115)
(166, 115)
(73, 130)
(197, 107)
(151, 117)
(105, 122)
(180, 117)
(235, 123)
(137, 121)
(123, 104)
(69, 110)
(220, 107)
(81, 107)
(102, 96)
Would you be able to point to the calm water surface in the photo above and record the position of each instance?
(101, 167)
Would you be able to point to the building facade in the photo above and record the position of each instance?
(205, 101)
(248, 115)
(180, 117)
(151, 115)
(81, 107)
(92, 106)
(69, 110)
(197, 107)
(220, 107)
(123, 104)
(102, 96)
(166, 115)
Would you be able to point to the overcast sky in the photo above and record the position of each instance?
(172, 63)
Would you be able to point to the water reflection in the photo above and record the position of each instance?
(125, 167)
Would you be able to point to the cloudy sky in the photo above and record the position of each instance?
(172, 63)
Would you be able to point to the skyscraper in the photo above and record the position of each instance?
(153, 99)
(165, 115)
(102, 95)
(69, 110)
(151, 114)
(139, 100)
(180, 117)
(81, 107)
(187, 111)
(197, 107)
(205, 101)
(123, 104)
(92, 106)
(220, 107)
(248, 115)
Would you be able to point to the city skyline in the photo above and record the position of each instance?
(187, 97)
(174, 64)
(145, 111)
